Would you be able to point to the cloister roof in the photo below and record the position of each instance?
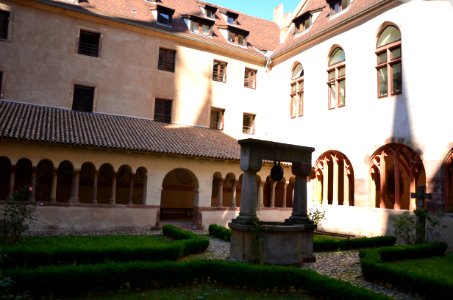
(34, 123)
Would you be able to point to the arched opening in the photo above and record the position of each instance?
(290, 192)
(5, 177)
(87, 183)
(334, 177)
(395, 172)
(217, 183)
(44, 178)
(280, 193)
(140, 181)
(23, 175)
(179, 197)
(105, 184)
(64, 181)
(123, 184)
(229, 191)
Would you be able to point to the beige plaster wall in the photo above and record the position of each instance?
(41, 65)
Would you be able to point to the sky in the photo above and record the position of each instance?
(258, 8)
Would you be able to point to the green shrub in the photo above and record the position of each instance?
(67, 281)
(356, 243)
(220, 232)
(374, 269)
(190, 242)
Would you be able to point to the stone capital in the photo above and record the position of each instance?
(301, 169)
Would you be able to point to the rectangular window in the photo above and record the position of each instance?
(219, 71)
(162, 110)
(216, 121)
(250, 78)
(164, 17)
(83, 98)
(4, 24)
(167, 60)
(248, 124)
(210, 12)
(89, 43)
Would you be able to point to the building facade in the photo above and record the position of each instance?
(120, 115)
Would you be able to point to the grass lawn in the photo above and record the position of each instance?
(438, 267)
(205, 292)
(90, 242)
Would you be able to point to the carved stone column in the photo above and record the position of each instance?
(299, 213)
(131, 189)
(113, 193)
(94, 197)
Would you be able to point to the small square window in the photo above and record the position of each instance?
(210, 11)
(164, 16)
(167, 60)
(248, 124)
(250, 78)
(232, 18)
(89, 43)
(4, 24)
(162, 110)
(217, 118)
(83, 98)
(219, 71)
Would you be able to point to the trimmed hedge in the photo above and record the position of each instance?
(82, 280)
(355, 243)
(374, 269)
(186, 243)
(220, 232)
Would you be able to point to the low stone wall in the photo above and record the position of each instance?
(54, 219)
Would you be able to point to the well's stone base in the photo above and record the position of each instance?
(272, 243)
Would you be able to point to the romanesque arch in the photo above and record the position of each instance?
(88, 183)
(64, 181)
(106, 184)
(124, 184)
(395, 171)
(44, 179)
(23, 174)
(140, 181)
(334, 179)
(5, 177)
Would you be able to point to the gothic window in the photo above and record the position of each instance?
(388, 52)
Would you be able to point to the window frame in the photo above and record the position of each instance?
(164, 16)
(219, 70)
(166, 60)
(388, 64)
(338, 6)
(162, 115)
(93, 50)
(297, 93)
(5, 27)
(337, 82)
(210, 11)
(82, 107)
(218, 123)
(250, 76)
(248, 123)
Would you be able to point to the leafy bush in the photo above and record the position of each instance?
(220, 232)
(17, 214)
(67, 281)
(317, 215)
(416, 251)
(349, 244)
(190, 243)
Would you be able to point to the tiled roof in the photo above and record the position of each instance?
(324, 21)
(27, 122)
(264, 34)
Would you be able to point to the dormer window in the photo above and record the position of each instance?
(337, 6)
(232, 18)
(199, 25)
(210, 11)
(303, 22)
(237, 36)
(164, 15)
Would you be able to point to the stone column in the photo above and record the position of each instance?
(272, 202)
(94, 198)
(261, 194)
(335, 181)
(382, 173)
(284, 194)
(113, 194)
(346, 183)
(220, 193)
(12, 178)
(131, 189)
(33, 184)
(53, 187)
(233, 196)
(75, 187)
(299, 213)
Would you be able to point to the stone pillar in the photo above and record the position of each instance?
(53, 187)
(345, 185)
(12, 178)
(33, 184)
(272, 202)
(284, 194)
(131, 190)
(75, 187)
(261, 194)
(113, 194)
(94, 198)
(335, 181)
(382, 188)
(299, 214)
(220, 193)
(233, 196)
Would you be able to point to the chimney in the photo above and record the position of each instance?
(278, 15)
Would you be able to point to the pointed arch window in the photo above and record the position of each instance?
(388, 52)
(297, 92)
(337, 78)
